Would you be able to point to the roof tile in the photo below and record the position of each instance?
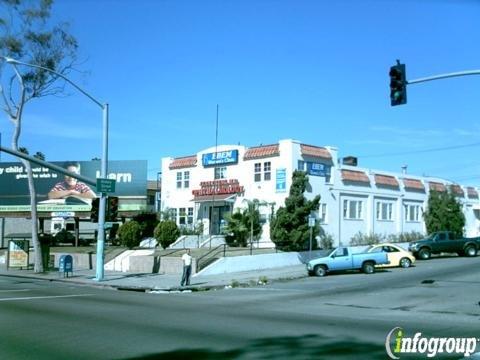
(315, 151)
(386, 180)
(436, 186)
(357, 176)
(472, 193)
(184, 162)
(457, 190)
(259, 152)
(413, 184)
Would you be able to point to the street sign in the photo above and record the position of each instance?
(311, 221)
(63, 214)
(105, 185)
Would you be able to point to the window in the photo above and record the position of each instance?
(173, 214)
(183, 179)
(258, 172)
(412, 213)
(190, 216)
(322, 212)
(179, 180)
(182, 216)
(352, 209)
(384, 211)
(301, 165)
(220, 173)
(267, 171)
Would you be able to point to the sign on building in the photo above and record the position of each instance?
(228, 157)
(281, 180)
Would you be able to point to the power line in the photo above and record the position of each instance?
(421, 151)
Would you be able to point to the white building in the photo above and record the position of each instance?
(203, 187)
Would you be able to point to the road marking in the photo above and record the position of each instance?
(15, 290)
(43, 297)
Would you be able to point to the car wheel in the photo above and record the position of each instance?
(424, 254)
(368, 268)
(405, 262)
(320, 270)
(471, 251)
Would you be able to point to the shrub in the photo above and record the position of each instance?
(129, 234)
(326, 241)
(405, 237)
(63, 236)
(147, 222)
(166, 233)
(366, 239)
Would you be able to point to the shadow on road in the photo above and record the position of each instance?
(304, 347)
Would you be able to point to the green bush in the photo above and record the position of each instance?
(147, 222)
(166, 233)
(64, 236)
(129, 234)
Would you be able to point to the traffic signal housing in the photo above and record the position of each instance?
(112, 209)
(94, 210)
(398, 84)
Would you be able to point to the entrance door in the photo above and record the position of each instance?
(215, 220)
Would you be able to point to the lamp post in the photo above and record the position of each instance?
(104, 162)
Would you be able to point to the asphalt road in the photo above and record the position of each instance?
(343, 316)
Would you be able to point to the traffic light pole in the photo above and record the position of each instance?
(444, 76)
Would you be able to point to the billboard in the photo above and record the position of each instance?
(57, 193)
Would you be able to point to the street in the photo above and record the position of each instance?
(341, 316)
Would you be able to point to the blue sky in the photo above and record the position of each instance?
(315, 71)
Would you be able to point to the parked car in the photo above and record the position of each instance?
(342, 258)
(444, 242)
(395, 254)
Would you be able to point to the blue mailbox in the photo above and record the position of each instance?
(66, 265)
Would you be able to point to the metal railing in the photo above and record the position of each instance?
(223, 250)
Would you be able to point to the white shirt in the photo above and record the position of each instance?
(187, 259)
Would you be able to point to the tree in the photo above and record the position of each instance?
(289, 226)
(147, 221)
(129, 234)
(166, 233)
(26, 36)
(241, 225)
(444, 213)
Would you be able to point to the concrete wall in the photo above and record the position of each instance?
(157, 264)
(257, 262)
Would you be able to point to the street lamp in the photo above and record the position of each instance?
(104, 162)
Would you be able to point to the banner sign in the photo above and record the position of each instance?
(57, 192)
(318, 169)
(281, 180)
(220, 158)
(219, 187)
(18, 253)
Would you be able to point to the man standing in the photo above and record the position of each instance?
(187, 268)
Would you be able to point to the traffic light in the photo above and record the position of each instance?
(398, 84)
(112, 208)
(94, 210)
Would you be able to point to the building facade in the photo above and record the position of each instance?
(204, 187)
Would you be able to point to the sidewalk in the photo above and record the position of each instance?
(165, 283)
